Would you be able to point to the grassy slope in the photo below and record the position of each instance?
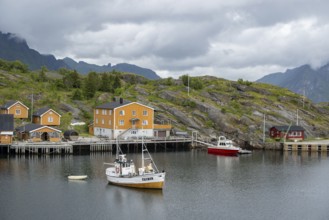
(225, 107)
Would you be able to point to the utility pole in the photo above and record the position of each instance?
(297, 118)
(188, 85)
(32, 107)
(264, 130)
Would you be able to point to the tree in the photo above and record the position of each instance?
(77, 94)
(42, 74)
(106, 84)
(185, 79)
(116, 82)
(71, 79)
(90, 85)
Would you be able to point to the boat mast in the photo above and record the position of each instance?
(143, 165)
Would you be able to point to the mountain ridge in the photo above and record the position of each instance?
(14, 48)
(303, 80)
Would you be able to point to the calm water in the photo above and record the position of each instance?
(264, 185)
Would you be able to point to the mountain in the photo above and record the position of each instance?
(14, 48)
(304, 80)
(83, 67)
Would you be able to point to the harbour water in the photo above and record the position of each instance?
(263, 185)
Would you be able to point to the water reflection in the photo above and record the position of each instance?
(145, 204)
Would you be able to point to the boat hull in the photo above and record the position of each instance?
(223, 151)
(82, 177)
(148, 181)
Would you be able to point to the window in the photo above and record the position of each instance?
(104, 112)
(50, 119)
(121, 122)
(50, 113)
(103, 121)
(18, 111)
(96, 111)
(145, 112)
(134, 113)
(96, 120)
(145, 122)
(133, 132)
(110, 122)
(110, 112)
(122, 112)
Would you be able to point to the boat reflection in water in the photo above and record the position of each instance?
(143, 203)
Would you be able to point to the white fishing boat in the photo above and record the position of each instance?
(224, 147)
(123, 172)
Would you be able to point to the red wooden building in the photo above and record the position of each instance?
(295, 133)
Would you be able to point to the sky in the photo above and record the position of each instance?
(231, 39)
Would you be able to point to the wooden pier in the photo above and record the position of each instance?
(85, 146)
(319, 146)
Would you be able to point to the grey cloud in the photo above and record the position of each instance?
(224, 38)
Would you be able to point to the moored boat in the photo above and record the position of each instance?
(223, 147)
(77, 177)
(123, 172)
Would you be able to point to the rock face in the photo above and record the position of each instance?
(237, 112)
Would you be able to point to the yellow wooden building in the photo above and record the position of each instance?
(16, 108)
(124, 119)
(46, 116)
(38, 133)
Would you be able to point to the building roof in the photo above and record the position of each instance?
(11, 103)
(42, 111)
(6, 122)
(32, 127)
(114, 104)
(292, 128)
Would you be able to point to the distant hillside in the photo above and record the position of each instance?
(84, 68)
(303, 80)
(15, 48)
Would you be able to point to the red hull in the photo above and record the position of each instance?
(226, 152)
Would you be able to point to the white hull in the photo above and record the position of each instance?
(146, 181)
(82, 177)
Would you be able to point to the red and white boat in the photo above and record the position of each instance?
(223, 147)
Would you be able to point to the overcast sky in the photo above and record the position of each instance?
(230, 39)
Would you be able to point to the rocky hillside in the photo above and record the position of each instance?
(212, 107)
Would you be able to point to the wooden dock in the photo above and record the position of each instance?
(86, 146)
(317, 145)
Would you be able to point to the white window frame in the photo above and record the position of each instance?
(104, 112)
(122, 112)
(110, 112)
(96, 120)
(96, 111)
(145, 122)
(18, 112)
(121, 122)
(133, 112)
(50, 119)
(103, 122)
(110, 122)
(145, 113)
